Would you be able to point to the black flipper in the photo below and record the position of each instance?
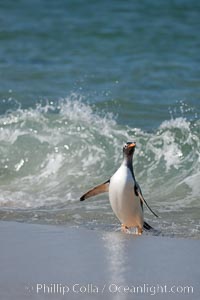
(138, 193)
(99, 189)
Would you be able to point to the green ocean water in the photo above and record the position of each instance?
(80, 78)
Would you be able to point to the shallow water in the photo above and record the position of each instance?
(79, 81)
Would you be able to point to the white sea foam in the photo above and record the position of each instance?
(52, 154)
(180, 123)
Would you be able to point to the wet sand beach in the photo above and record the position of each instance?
(57, 262)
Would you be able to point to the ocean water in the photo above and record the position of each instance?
(76, 82)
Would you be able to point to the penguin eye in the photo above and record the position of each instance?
(125, 146)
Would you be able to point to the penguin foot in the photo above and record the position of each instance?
(139, 230)
(125, 229)
(136, 230)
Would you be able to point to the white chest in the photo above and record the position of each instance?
(122, 198)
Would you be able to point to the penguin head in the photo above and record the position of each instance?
(129, 148)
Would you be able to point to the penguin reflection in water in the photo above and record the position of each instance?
(125, 194)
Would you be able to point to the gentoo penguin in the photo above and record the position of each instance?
(125, 194)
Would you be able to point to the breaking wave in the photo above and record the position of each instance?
(51, 154)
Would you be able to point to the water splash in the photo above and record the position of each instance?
(51, 154)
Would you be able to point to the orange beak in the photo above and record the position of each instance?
(132, 145)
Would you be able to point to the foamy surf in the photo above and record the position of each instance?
(51, 154)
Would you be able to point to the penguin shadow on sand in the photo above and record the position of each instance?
(125, 196)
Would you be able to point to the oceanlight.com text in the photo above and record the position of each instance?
(111, 288)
